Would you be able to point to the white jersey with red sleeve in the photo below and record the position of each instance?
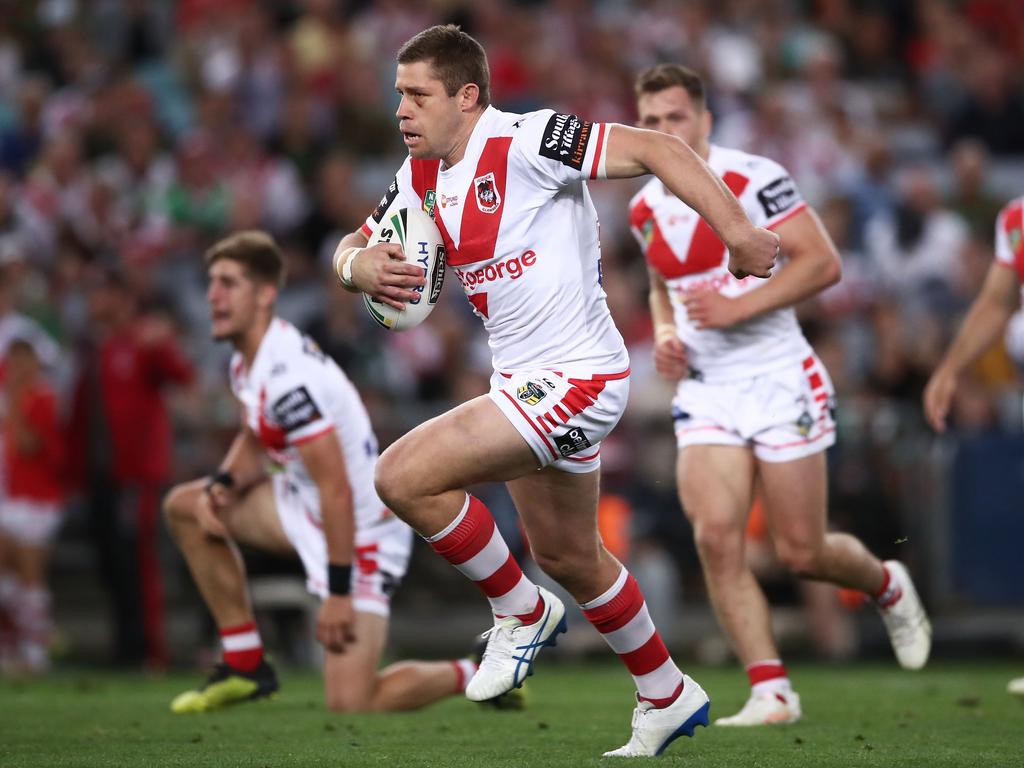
(683, 249)
(294, 393)
(522, 237)
(1010, 237)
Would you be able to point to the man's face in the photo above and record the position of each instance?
(234, 299)
(428, 117)
(672, 111)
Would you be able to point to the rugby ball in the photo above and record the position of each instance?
(421, 241)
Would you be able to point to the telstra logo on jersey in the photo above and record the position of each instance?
(487, 197)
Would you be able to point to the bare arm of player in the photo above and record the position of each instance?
(636, 151)
(380, 271)
(986, 320)
(669, 351)
(244, 461)
(323, 459)
(813, 266)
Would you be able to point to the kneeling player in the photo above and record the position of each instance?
(304, 420)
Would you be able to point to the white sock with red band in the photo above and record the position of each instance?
(768, 676)
(473, 544)
(621, 616)
(464, 671)
(889, 592)
(243, 648)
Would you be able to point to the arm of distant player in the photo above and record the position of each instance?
(244, 462)
(813, 266)
(986, 320)
(669, 351)
(380, 271)
(636, 151)
(323, 459)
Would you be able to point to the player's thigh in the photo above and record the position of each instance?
(558, 511)
(350, 678)
(715, 485)
(254, 520)
(472, 443)
(795, 500)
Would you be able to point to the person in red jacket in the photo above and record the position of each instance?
(30, 512)
(120, 438)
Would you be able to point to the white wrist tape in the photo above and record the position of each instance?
(343, 265)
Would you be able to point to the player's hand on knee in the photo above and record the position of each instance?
(755, 254)
(670, 355)
(206, 515)
(335, 625)
(383, 272)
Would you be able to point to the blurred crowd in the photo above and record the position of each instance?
(134, 134)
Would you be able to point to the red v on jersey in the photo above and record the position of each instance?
(706, 250)
(479, 230)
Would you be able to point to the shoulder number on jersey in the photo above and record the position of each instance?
(778, 197)
(295, 409)
(565, 139)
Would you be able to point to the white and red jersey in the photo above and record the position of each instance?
(522, 237)
(681, 247)
(1010, 237)
(294, 393)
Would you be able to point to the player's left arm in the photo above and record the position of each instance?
(813, 266)
(325, 463)
(636, 151)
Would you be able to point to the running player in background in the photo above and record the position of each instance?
(508, 194)
(30, 512)
(753, 402)
(298, 478)
(986, 321)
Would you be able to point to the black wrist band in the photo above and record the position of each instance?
(221, 477)
(339, 579)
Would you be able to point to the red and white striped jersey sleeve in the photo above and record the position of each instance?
(1010, 236)
(561, 148)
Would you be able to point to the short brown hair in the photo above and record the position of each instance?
(663, 76)
(456, 57)
(254, 250)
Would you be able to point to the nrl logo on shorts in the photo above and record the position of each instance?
(804, 424)
(487, 197)
(530, 393)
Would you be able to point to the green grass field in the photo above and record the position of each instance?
(949, 715)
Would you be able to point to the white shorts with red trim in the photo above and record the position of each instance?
(563, 417)
(783, 415)
(28, 522)
(382, 550)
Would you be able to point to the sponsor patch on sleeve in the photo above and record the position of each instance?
(565, 139)
(385, 202)
(778, 197)
(295, 409)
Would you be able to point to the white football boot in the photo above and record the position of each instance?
(654, 729)
(909, 629)
(511, 648)
(766, 708)
(1016, 686)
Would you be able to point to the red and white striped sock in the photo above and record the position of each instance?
(621, 616)
(464, 671)
(768, 676)
(473, 544)
(243, 648)
(889, 592)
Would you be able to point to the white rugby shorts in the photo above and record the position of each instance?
(28, 522)
(382, 550)
(782, 416)
(563, 417)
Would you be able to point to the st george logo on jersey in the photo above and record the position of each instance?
(487, 197)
